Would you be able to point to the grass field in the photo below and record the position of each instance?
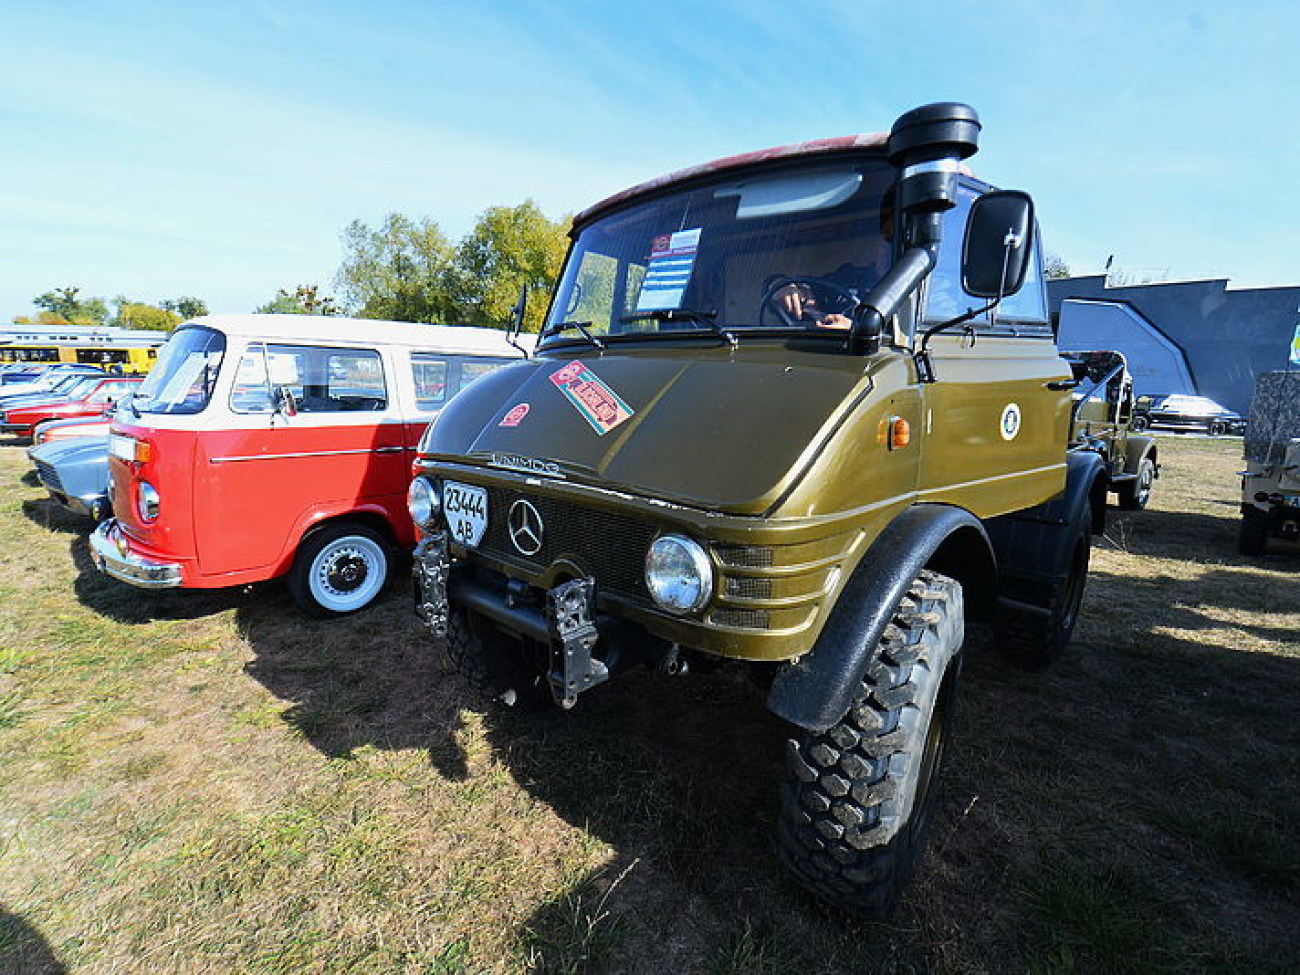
(200, 782)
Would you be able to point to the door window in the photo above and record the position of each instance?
(429, 372)
(1025, 312)
(321, 379)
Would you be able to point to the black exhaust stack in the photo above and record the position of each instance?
(927, 145)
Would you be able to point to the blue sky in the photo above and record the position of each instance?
(218, 149)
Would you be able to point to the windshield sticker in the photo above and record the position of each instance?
(515, 416)
(599, 405)
(672, 258)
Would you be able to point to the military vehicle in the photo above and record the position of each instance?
(1103, 421)
(800, 408)
(1270, 484)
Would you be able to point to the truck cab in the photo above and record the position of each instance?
(800, 408)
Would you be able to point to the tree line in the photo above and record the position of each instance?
(404, 269)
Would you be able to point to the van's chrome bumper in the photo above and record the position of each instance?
(108, 548)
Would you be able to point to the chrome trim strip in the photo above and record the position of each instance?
(309, 453)
(934, 166)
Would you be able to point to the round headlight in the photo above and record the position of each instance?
(147, 501)
(423, 502)
(678, 574)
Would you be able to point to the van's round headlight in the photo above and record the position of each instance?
(678, 574)
(147, 501)
(423, 502)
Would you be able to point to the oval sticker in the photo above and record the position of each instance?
(515, 416)
(1010, 425)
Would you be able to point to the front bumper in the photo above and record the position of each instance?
(113, 556)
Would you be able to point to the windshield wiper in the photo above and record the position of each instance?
(580, 327)
(697, 316)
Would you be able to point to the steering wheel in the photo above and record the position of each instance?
(814, 284)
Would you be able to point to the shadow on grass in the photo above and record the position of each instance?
(22, 949)
(52, 516)
(124, 603)
(1065, 793)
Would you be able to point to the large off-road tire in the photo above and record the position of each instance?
(858, 796)
(1134, 495)
(339, 569)
(1252, 538)
(1035, 637)
(497, 667)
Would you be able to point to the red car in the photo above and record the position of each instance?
(92, 399)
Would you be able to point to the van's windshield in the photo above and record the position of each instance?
(182, 379)
(722, 253)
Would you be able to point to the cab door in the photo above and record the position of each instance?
(997, 416)
(330, 441)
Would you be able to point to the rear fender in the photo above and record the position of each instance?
(816, 690)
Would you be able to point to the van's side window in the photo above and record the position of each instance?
(429, 372)
(322, 380)
(473, 369)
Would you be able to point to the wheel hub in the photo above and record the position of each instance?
(346, 573)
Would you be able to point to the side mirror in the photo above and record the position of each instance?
(999, 244)
(517, 320)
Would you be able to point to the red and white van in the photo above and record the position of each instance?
(261, 445)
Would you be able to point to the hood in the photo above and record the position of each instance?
(718, 431)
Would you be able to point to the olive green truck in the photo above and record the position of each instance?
(801, 409)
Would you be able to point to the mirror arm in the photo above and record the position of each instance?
(517, 320)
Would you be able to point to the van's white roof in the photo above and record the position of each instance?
(321, 328)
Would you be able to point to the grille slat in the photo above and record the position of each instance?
(49, 476)
(611, 547)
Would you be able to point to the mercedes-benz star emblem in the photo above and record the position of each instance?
(526, 527)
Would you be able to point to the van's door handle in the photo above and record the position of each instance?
(1057, 385)
(389, 450)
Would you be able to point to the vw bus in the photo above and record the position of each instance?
(266, 445)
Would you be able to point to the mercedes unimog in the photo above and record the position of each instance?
(801, 408)
(1103, 422)
(1270, 484)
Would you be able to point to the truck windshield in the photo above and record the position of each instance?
(720, 254)
(182, 379)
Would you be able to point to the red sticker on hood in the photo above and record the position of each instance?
(591, 396)
(515, 416)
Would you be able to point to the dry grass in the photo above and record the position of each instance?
(207, 782)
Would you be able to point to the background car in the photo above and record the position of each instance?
(92, 401)
(1186, 414)
(75, 472)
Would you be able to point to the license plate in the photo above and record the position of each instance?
(465, 507)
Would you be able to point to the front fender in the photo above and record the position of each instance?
(816, 690)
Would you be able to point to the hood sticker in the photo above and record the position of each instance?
(599, 405)
(515, 416)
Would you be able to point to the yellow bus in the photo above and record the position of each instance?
(115, 349)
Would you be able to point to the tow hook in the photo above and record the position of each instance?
(432, 562)
(571, 616)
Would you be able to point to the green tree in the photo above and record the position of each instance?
(398, 271)
(65, 303)
(306, 299)
(509, 247)
(139, 314)
(186, 306)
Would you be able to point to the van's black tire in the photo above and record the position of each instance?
(856, 802)
(496, 666)
(1035, 637)
(1140, 423)
(1252, 539)
(1134, 495)
(340, 568)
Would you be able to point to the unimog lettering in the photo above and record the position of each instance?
(850, 434)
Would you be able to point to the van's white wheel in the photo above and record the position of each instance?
(339, 569)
